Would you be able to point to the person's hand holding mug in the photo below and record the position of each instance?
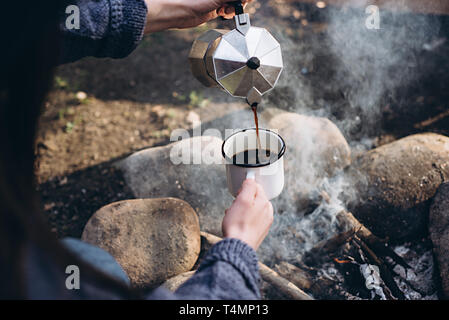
(166, 14)
(250, 216)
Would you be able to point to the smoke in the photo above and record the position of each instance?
(373, 63)
(349, 74)
(293, 233)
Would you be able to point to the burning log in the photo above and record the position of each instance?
(282, 284)
(331, 245)
(370, 249)
(272, 277)
(304, 278)
(347, 219)
(301, 278)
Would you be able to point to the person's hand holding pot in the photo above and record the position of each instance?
(166, 14)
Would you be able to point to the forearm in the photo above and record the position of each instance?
(160, 15)
(166, 14)
(107, 28)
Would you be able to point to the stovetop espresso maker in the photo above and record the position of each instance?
(246, 61)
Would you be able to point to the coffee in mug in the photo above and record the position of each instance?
(246, 157)
(254, 157)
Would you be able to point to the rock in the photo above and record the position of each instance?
(266, 114)
(174, 283)
(161, 172)
(315, 145)
(396, 182)
(439, 233)
(152, 239)
(316, 150)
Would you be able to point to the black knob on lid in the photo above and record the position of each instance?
(253, 63)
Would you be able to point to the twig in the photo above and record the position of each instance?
(430, 121)
(331, 245)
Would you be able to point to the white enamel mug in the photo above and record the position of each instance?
(269, 175)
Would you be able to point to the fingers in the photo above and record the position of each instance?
(270, 211)
(221, 12)
(260, 199)
(264, 204)
(227, 11)
(250, 216)
(248, 191)
(241, 187)
(260, 193)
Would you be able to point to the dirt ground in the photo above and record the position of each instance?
(101, 110)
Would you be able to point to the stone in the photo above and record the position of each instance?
(152, 239)
(314, 144)
(396, 183)
(439, 234)
(199, 178)
(315, 150)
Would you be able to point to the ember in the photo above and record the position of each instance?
(342, 261)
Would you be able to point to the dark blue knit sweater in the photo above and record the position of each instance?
(113, 28)
(108, 28)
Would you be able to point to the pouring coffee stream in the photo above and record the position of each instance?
(245, 62)
(259, 145)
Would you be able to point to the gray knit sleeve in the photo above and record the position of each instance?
(107, 28)
(229, 271)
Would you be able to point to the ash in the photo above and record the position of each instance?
(417, 283)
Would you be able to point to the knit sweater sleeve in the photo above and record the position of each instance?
(105, 28)
(229, 271)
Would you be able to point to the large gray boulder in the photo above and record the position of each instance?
(396, 182)
(439, 233)
(190, 169)
(152, 239)
(316, 150)
(316, 146)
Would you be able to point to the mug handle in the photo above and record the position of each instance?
(251, 174)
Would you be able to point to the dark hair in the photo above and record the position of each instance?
(29, 36)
